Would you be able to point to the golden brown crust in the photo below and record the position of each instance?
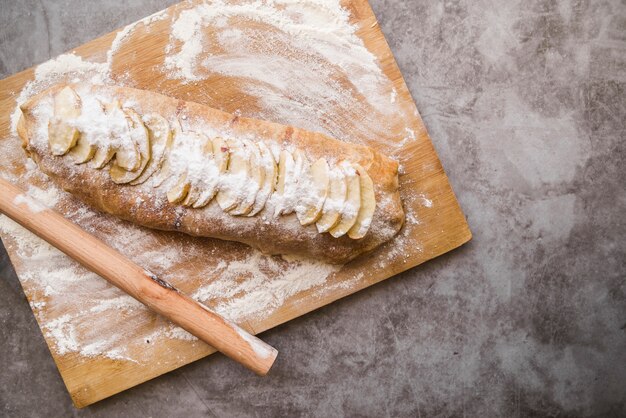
(148, 207)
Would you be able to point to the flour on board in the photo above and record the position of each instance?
(301, 60)
(31, 204)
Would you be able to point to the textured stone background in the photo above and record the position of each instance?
(525, 102)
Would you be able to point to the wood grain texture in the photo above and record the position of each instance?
(441, 227)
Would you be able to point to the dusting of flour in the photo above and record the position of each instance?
(304, 64)
(242, 289)
(302, 61)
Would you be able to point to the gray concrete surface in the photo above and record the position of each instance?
(526, 103)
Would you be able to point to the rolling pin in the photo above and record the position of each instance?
(146, 287)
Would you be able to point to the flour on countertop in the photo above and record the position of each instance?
(304, 63)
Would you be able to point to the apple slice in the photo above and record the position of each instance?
(293, 182)
(334, 201)
(209, 186)
(368, 205)
(221, 153)
(206, 154)
(178, 193)
(83, 151)
(285, 172)
(229, 195)
(309, 210)
(62, 136)
(256, 174)
(67, 104)
(102, 156)
(214, 170)
(94, 145)
(140, 136)
(351, 209)
(268, 165)
(127, 155)
(192, 195)
(164, 173)
(106, 152)
(160, 138)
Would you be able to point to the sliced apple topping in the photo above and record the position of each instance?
(268, 165)
(95, 132)
(102, 156)
(334, 202)
(285, 169)
(101, 137)
(83, 151)
(241, 174)
(250, 188)
(368, 205)
(127, 155)
(178, 193)
(309, 209)
(160, 139)
(221, 153)
(294, 183)
(140, 137)
(192, 195)
(229, 195)
(285, 172)
(164, 173)
(214, 168)
(61, 135)
(351, 208)
(198, 165)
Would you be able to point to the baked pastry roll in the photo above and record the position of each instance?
(180, 166)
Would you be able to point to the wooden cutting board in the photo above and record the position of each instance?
(101, 342)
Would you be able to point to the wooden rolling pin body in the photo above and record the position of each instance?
(139, 283)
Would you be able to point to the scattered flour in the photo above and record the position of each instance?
(301, 60)
(269, 282)
(241, 289)
(178, 333)
(408, 137)
(31, 203)
(425, 201)
(124, 33)
(48, 197)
